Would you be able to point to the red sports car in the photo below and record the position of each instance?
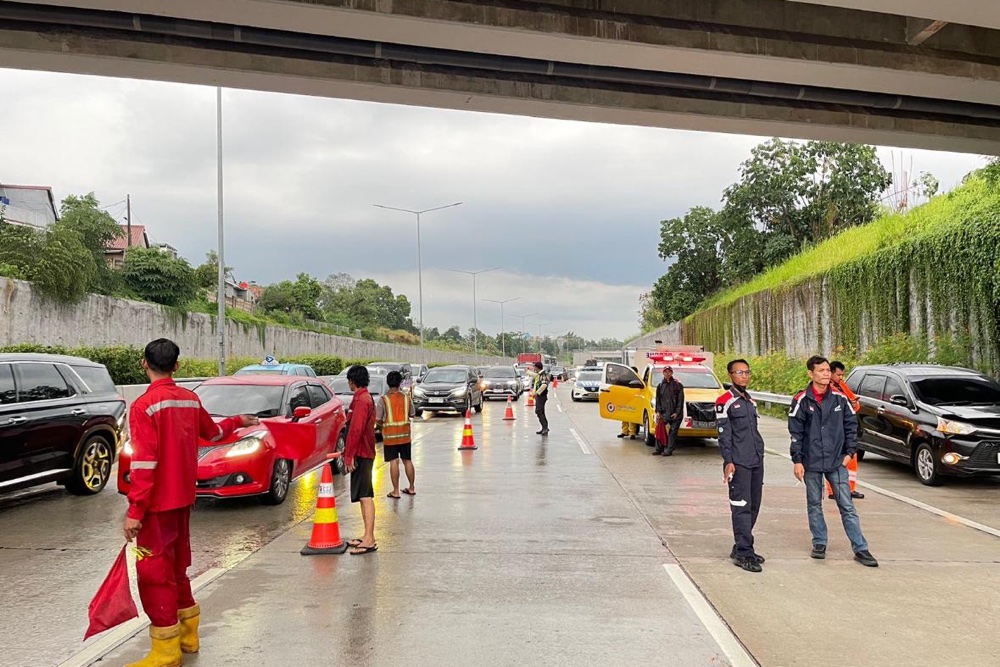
(301, 423)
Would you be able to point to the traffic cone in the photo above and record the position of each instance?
(326, 531)
(555, 382)
(468, 441)
(531, 399)
(508, 416)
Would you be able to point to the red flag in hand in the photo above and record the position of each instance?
(113, 604)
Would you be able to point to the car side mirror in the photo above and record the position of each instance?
(899, 400)
(300, 412)
(636, 384)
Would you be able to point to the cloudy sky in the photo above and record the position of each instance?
(569, 210)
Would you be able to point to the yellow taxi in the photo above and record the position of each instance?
(627, 396)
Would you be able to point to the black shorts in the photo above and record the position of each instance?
(361, 479)
(393, 452)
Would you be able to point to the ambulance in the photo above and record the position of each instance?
(628, 396)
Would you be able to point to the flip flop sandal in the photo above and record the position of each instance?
(389, 495)
(354, 544)
(364, 550)
(409, 493)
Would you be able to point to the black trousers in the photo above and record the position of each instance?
(540, 410)
(744, 502)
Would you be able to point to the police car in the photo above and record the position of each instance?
(271, 366)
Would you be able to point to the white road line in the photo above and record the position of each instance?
(118, 636)
(580, 441)
(716, 627)
(559, 407)
(914, 503)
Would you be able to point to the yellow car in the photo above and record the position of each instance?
(626, 397)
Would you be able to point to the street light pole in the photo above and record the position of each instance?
(503, 338)
(524, 327)
(221, 294)
(475, 325)
(420, 275)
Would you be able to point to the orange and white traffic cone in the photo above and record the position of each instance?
(508, 416)
(468, 441)
(555, 382)
(531, 399)
(326, 531)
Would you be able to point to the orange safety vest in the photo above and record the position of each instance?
(396, 427)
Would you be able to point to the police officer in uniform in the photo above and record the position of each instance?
(541, 387)
(742, 448)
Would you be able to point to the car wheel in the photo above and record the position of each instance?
(93, 467)
(861, 455)
(575, 399)
(926, 465)
(338, 466)
(281, 479)
(650, 435)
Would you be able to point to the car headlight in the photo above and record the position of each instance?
(418, 391)
(955, 428)
(512, 383)
(459, 392)
(248, 444)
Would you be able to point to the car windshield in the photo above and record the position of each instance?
(500, 372)
(259, 371)
(447, 375)
(594, 376)
(957, 391)
(690, 379)
(376, 386)
(223, 400)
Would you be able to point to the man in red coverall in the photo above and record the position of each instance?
(165, 424)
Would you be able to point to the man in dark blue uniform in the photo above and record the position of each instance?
(742, 448)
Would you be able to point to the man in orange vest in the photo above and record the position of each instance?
(838, 371)
(393, 414)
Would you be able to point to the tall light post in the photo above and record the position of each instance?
(524, 326)
(475, 325)
(540, 325)
(221, 294)
(420, 275)
(503, 339)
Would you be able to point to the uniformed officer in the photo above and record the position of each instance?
(742, 448)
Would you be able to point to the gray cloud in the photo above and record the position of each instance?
(577, 202)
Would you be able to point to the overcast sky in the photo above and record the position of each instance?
(570, 210)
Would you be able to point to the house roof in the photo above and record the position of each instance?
(139, 239)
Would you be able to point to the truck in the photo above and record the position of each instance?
(526, 359)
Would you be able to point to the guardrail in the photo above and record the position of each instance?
(773, 399)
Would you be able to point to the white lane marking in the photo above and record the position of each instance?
(124, 632)
(580, 441)
(716, 627)
(975, 525)
(559, 407)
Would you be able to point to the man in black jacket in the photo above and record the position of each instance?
(742, 448)
(824, 432)
(669, 410)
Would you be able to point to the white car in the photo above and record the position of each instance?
(587, 385)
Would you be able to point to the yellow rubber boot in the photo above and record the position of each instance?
(189, 619)
(166, 651)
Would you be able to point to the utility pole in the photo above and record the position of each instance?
(503, 337)
(475, 325)
(221, 294)
(128, 221)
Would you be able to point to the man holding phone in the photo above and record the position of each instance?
(742, 448)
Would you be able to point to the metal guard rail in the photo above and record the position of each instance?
(776, 399)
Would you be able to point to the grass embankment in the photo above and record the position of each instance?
(890, 230)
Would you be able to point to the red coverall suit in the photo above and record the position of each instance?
(165, 424)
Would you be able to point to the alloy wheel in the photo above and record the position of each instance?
(95, 467)
(925, 464)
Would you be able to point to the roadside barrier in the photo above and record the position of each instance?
(326, 531)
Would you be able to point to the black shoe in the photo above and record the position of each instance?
(669, 452)
(857, 494)
(621, 435)
(866, 559)
(831, 497)
(631, 437)
(760, 559)
(545, 432)
(655, 453)
(819, 551)
(748, 564)
(539, 432)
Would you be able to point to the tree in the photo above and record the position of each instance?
(97, 231)
(207, 274)
(158, 277)
(366, 303)
(300, 298)
(452, 335)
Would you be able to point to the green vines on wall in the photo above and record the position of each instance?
(940, 284)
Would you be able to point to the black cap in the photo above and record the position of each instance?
(538, 365)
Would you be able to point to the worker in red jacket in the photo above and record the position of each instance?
(165, 424)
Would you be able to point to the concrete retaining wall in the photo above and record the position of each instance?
(100, 321)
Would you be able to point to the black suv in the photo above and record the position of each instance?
(448, 388)
(940, 420)
(60, 420)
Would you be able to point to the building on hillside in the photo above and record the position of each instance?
(28, 205)
(115, 254)
(240, 295)
(166, 249)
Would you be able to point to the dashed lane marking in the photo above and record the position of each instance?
(580, 441)
(721, 633)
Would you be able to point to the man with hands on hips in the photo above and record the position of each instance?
(824, 429)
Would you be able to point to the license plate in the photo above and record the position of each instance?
(697, 424)
(435, 400)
